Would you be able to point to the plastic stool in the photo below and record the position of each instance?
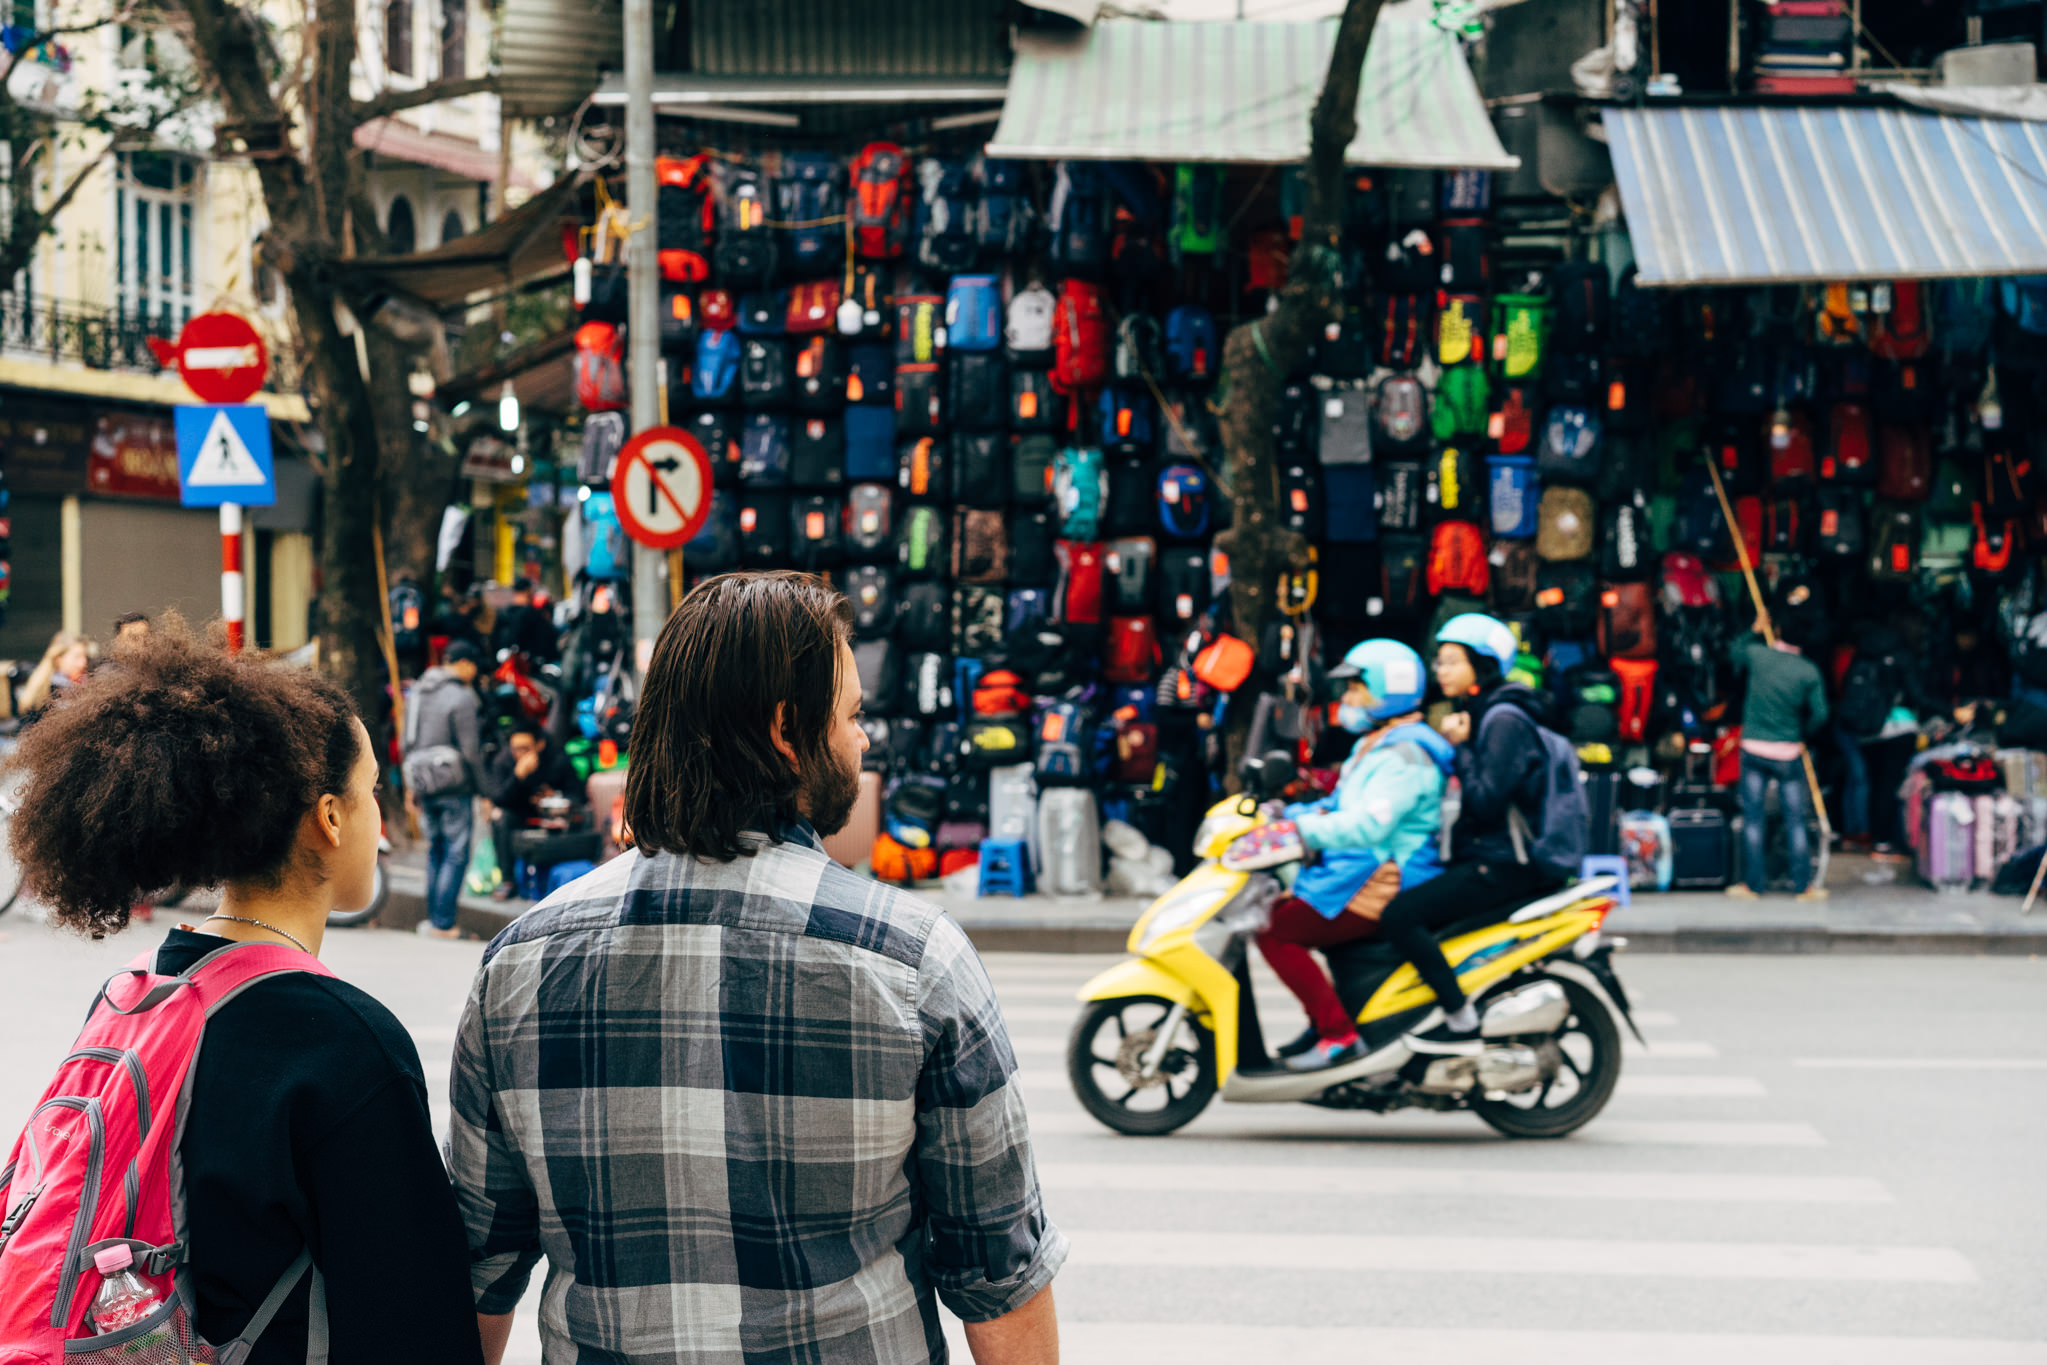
(1005, 867)
(1597, 863)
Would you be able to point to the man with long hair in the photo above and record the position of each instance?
(749, 1104)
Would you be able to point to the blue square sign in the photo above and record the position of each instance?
(224, 455)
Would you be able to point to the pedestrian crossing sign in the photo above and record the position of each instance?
(224, 455)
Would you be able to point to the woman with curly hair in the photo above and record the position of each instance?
(307, 1125)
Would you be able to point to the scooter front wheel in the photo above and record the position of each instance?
(1105, 1062)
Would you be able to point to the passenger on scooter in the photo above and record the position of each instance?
(1503, 768)
(1376, 835)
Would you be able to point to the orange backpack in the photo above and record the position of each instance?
(1457, 560)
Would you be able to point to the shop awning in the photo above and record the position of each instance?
(523, 245)
(1135, 90)
(1783, 195)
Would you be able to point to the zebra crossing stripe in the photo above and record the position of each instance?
(1381, 1181)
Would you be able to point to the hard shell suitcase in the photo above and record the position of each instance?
(1947, 850)
(1070, 842)
(1701, 853)
(854, 844)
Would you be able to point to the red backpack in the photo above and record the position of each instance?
(1637, 678)
(600, 366)
(1627, 623)
(1457, 560)
(1080, 338)
(688, 217)
(1901, 334)
(1080, 582)
(1686, 584)
(93, 1168)
(880, 205)
(1849, 458)
(1132, 652)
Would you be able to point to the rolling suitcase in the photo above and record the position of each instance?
(1700, 849)
(1013, 806)
(1947, 851)
(1069, 842)
(854, 844)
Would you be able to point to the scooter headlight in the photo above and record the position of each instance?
(1177, 912)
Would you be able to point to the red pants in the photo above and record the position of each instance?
(1295, 928)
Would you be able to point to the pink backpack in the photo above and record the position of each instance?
(93, 1170)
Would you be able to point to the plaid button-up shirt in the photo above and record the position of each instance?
(751, 1111)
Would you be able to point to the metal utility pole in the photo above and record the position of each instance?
(643, 300)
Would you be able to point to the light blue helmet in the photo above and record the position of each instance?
(1482, 634)
(1393, 672)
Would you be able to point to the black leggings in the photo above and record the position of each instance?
(1462, 891)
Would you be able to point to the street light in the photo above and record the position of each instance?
(508, 408)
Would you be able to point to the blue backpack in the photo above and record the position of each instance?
(764, 451)
(870, 444)
(1066, 743)
(973, 313)
(1964, 313)
(1079, 217)
(1027, 605)
(945, 216)
(1079, 484)
(2025, 302)
(717, 367)
(808, 194)
(1191, 343)
(1002, 223)
(607, 555)
(1183, 501)
(1126, 416)
(715, 548)
(1700, 527)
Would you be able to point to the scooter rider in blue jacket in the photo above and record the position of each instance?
(1375, 835)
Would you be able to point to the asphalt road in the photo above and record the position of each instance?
(1818, 1160)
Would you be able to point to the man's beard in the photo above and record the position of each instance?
(829, 794)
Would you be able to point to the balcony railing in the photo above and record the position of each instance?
(97, 338)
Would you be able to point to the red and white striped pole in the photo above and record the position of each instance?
(231, 592)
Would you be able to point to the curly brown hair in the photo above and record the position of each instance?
(704, 766)
(175, 765)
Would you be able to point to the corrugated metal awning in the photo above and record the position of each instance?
(1134, 90)
(1780, 195)
(550, 52)
(402, 142)
(523, 245)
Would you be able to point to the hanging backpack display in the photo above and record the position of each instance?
(980, 389)
(1512, 494)
(871, 375)
(1004, 218)
(920, 400)
(1461, 407)
(924, 468)
(1580, 289)
(764, 451)
(973, 313)
(1031, 459)
(879, 207)
(1399, 494)
(1566, 601)
(1566, 525)
(1627, 621)
(763, 528)
(1402, 326)
(1183, 497)
(1454, 489)
(809, 203)
(1080, 338)
(1520, 332)
(1183, 584)
(1078, 217)
(864, 309)
(925, 616)
(600, 366)
(816, 521)
(1784, 526)
(1400, 417)
(1080, 582)
(764, 372)
(1130, 564)
(715, 548)
(1570, 445)
(1198, 227)
(870, 520)
(1893, 541)
(1140, 348)
(1343, 507)
(980, 468)
(597, 452)
(1457, 560)
(1125, 413)
(980, 546)
(1130, 653)
(688, 217)
(1346, 348)
(870, 442)
(745, 256)
(920, 544)
(1027, 330)
(817, 456)
(1080, 487)
(1904, 459)
(1626, 552)
(1346, 426)
(1033, 404)
(1837, 523)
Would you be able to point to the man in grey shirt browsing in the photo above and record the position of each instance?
(751, 1106)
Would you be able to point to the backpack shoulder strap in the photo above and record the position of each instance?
(226, 972)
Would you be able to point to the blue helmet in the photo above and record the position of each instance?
(1482, 634)
(1394, 674)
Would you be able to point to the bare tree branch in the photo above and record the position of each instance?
(393, 101)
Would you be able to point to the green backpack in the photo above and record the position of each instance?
(1198, 227)
(1462, 396)
(1520, 333)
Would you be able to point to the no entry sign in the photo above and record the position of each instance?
(219, 356)
(661, 487)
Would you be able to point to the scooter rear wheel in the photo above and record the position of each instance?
(1590, 1042)
(1102, 1057)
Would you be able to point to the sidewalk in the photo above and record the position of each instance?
(1893, 914)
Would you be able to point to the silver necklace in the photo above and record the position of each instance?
(243, 919)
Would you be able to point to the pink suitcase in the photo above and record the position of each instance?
(1947, 854)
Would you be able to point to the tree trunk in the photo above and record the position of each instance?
(416, 474)
(1259, 356)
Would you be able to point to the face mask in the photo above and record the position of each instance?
(1353, 718)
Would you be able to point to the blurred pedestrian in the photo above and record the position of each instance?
(64, 665)
(527, 627)
(750, 1105)
(302, 1128)
(1786, 706)
(443, 770)
(523, 773)
(129, 627)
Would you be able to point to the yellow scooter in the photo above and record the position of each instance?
(1160, 1033)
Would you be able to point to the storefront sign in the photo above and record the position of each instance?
(44, 443)
(133, 455)
(489, 460)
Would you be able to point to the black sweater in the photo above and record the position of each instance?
(1500, 766)
(308, 1126)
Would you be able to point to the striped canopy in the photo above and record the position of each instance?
(1764, 195)
(1135, 90)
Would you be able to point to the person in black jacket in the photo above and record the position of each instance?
(527, 627)
(1501, 765)
(525, 770)
(304, 1122)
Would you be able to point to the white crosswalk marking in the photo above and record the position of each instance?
(1522, 1256)
(1921, 1063)
(1118, 1343)
(1379, 1181)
